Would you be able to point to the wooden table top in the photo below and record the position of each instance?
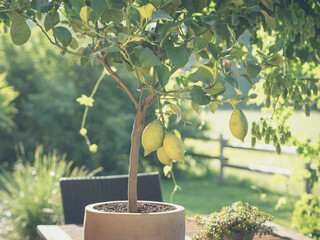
(75, 232)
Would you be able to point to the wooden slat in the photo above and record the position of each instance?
(53, 232)
(264, 148)
(262, 169)
(204, 156)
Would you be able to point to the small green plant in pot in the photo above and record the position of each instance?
(240, 221)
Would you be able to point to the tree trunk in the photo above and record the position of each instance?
(134, 158)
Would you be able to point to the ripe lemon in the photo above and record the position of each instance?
(173, 147)
(238, 124)
(163, 157)
(152, 137)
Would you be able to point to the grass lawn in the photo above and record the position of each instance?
(206, 195)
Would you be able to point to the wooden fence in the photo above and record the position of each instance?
(285, 150)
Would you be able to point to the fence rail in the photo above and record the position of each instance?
(252, 167)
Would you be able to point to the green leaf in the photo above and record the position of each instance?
(276, 60)
(254, 8)
(236, 52)
(110, 49)
(118, 4)
(134, 13)
(252, 69)
(123, 37)
(46, 7)
(268, 4)
(77, 5)
(237, 2)
(235, 19)
(148, 58)
(247, 77)
(98, 6)
(19, 31)
(35, 4)
(232, 33)
(63, 35)
(276, 47)
(85, 13)
(214, 50)
(195, 107)
(177, 111)
(166, 170)
(179, 56)
(86, 51)
(239, 93)
(198, 96)
(217, 88)
(271, 23)
(204, 67)
(201, 75)
(213, 106)
(163, 74)
(161, 15)
(146, 11)
(262, 55)
(50, 21)
(112, 15)
(231, 81)
(74, 44)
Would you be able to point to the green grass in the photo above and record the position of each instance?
(207, 195)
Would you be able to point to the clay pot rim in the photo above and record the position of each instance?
(91, 209)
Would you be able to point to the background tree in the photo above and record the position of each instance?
(7, 110)
(154, 39)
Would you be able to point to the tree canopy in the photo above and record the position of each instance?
(155, 39)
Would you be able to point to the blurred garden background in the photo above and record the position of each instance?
(40, 142)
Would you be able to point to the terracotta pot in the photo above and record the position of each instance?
(240, 236)
(100, 225)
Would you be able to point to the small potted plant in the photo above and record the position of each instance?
(240, 221)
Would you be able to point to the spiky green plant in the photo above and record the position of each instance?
(30, 195)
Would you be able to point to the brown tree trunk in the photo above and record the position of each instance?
(134, 158)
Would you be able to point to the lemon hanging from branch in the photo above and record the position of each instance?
(173, 147)
(238, 124)
(152, 137)
(163, 157)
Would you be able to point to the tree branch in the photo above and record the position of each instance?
(119, 80)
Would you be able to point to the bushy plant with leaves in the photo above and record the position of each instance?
(154, 39)
(306, 215)
(239, 218)
(307, 210)
(30, 195)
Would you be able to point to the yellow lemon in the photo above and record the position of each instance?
(163, 157)
(173, 147)
(152, 137)
(238, 124)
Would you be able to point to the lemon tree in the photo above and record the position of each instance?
(190, 50)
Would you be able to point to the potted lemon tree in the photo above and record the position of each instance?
(155, 40)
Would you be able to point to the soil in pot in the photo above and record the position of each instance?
(143, 207)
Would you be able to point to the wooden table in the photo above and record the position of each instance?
(75, 232)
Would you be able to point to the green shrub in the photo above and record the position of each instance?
(238, 218)
(306, 215)
(30, 195)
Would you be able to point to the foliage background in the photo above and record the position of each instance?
(49, 114)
